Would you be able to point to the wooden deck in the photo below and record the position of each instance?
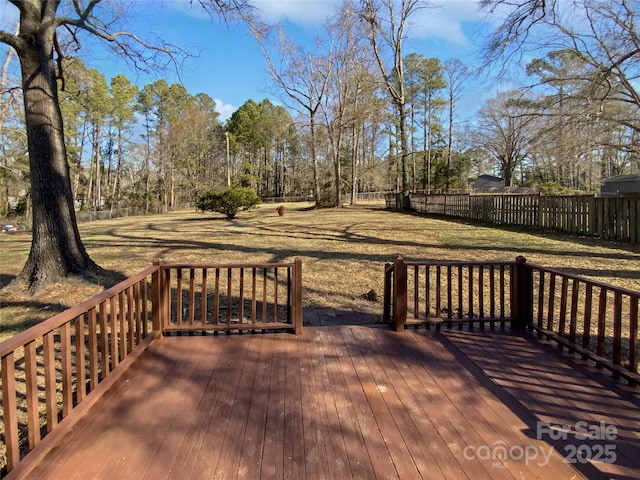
(347, 402)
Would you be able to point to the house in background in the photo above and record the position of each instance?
(620, 185)
(495, 185)
(487, 183)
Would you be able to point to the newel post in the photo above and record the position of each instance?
(157, 297)
(297, 296)
(399, 293)
(386, 312)
(521, 295)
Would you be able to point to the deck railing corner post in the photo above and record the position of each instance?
(521, 295)
(157, 300)
(399, 294)
(297, 296)
(386, 307)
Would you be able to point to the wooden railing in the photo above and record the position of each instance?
(450, 292)
(53, 366)
(66, 362)
(226, 297)
(597, 321)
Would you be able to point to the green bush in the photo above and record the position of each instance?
(552, 188)
(229, 202)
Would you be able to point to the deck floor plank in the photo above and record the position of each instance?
(294, 454)
(169, 410)
(113, 435)
(273, 450)
(559, 394)
(343, 443)
(232, 440)
(401, 435)
(177, 409)
(451, 402)
(250, 460)
(431, 425)
(316, 410)
(498, 427)
(365, 423)
(205, 410)
(225, 412)
(340, 402)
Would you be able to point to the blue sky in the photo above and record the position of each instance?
(228, 64)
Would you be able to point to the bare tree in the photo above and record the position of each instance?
(45, 25)
(603, 34)
(8, 97)
(388, 22)
(455, 74)
(302, 76)
(506, 130)
(505, 44)
(350, 80)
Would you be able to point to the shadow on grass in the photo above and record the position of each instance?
(34, 310)
(347, 236)
(538, 232)
(6, 279)
(205, 219)
(38, 312)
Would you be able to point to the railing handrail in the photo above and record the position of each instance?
(444, 263)
(38, 330)
(227, 265)
(595, 283)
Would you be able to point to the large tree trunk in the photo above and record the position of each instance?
(56, 248)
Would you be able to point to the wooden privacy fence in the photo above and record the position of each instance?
(595, 320)
(65, 363)
(607, 218)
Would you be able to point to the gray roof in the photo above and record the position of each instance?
(622, 178)
(488, 181)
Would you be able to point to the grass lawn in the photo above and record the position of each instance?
(343, 252)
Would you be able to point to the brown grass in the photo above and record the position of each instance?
(343, 252)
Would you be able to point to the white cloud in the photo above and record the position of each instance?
(224, 109)
(301, 12)
(186, 7)
(441, 20)
(446, 20)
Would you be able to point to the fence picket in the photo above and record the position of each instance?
(607, 218)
